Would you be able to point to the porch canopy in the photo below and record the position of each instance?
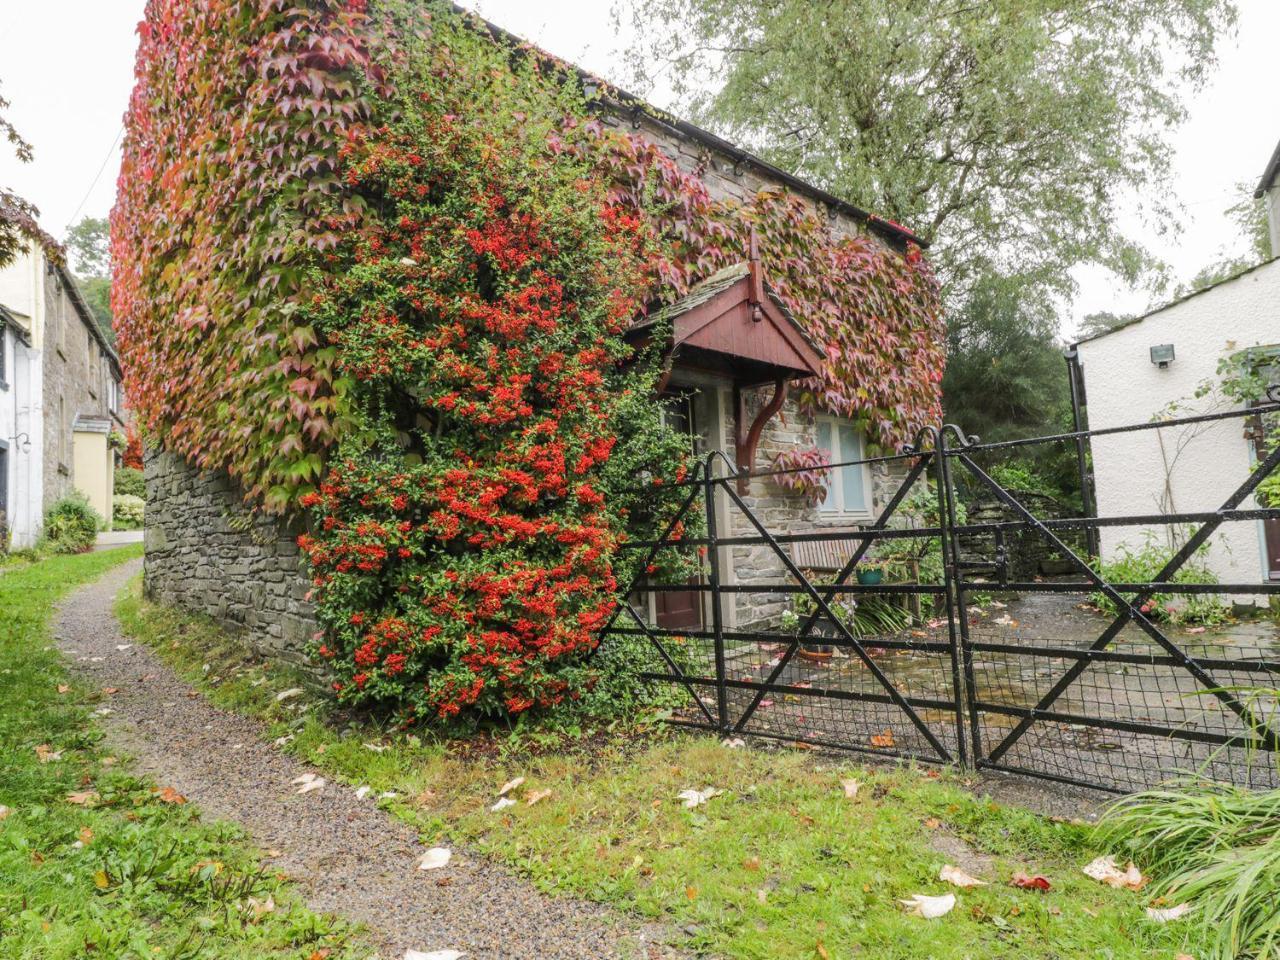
(735, 328)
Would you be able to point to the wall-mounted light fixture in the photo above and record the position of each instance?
(1162, 355)
(23, 441)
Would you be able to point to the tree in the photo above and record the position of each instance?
(1104, 321)
(1006, 376)
(89, 246)
(1249, 214)
(1002, 131)
(19, 219)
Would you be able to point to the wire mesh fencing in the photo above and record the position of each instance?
(924, 634)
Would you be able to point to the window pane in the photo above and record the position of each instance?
(854, 495)
(831, 504)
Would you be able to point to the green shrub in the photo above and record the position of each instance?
(1214, 846)
(130, 482)
(1142, 566)
(70, 525)
(1019, 476)
(127, 511)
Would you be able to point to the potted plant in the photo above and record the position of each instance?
(871, 570)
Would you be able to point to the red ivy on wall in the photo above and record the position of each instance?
(372, 265)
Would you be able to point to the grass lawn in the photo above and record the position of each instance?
(96, 862)
(780, 864)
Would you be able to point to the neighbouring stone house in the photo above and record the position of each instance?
(61, 397)
(727, 387)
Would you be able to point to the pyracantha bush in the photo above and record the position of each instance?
(464, 536)
(377, 265)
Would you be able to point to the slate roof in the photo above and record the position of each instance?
(708, 289)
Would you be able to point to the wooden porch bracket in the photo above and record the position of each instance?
(745, 443)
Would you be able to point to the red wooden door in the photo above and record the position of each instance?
(1266, 428)
(1273, 547)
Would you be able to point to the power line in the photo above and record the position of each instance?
(97, 176)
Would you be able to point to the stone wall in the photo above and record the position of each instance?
(783, 511)
(1027, 554)
(206, 552)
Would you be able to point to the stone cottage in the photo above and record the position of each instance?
(734, 354)
(61, 397)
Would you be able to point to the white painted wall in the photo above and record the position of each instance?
(1123, 386)
(20, 413)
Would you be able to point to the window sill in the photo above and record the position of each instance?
(846, 518)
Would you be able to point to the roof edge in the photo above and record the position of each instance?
(894, 232)
(1133, 321)
(1269, 175)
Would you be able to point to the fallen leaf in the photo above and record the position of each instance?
(751, 863)
(883, 739)
(101, 880)
(695, 798)
(1104, 870)
(376, 747)
(933, 823)
(958, 878)
(111, 691)
(1169, 913)
(920, 905)
(536, 796)
(47, 754)
(5, 811)
(435, 858)
(762, 896)
(821, 951)
(85, 798)
(261, 907)
(86, 836)
(691, 892)
(311, 783)
(1025, 882)
(362, 792)
(736, 743)
(170, 795)
(434, 955)
(850, 788)
(63, 688)
(502, 804)
(286, 694)
(510, 785)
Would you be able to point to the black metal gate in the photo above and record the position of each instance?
(926, 666)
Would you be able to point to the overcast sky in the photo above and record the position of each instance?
(67, 68)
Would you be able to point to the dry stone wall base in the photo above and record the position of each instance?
(206, 552)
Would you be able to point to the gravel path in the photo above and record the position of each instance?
(349, 857)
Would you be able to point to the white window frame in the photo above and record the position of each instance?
(833, 505)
